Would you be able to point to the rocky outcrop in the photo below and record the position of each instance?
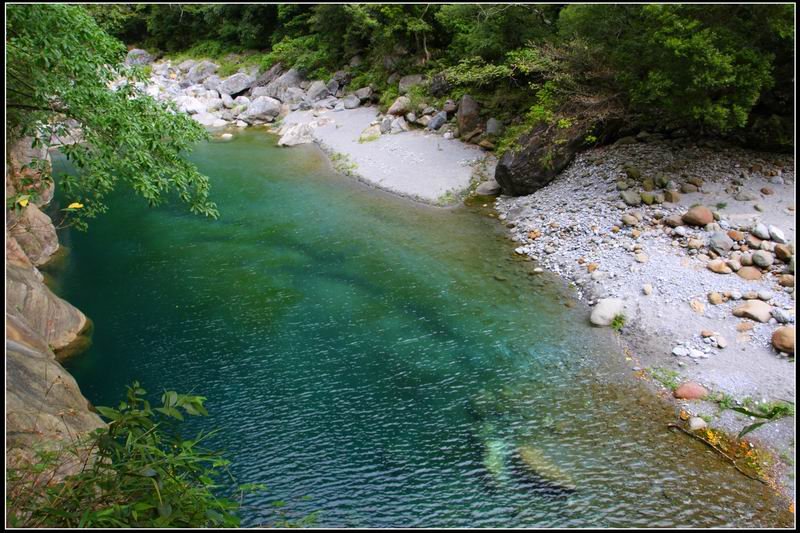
(537, 161)
(34, 233)
(44, 406)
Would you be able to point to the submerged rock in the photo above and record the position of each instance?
(537, 463)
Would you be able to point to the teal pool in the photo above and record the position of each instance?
(382, 363)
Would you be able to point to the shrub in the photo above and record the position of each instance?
(136, 472)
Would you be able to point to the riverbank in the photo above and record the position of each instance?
(653, 264)
(410, 151)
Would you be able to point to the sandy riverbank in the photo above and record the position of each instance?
(419, 164)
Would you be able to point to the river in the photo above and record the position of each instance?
(376, 362)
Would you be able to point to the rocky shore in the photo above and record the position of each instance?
(410, 150)
(692, 246)
(44, 406)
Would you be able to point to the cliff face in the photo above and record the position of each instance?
(44, 405)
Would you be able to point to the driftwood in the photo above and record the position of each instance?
(719, 451)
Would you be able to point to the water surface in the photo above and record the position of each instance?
(382, 363)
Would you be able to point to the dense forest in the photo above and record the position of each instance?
(706, 69)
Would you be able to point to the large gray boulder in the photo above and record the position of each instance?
(297, 134)
(364, 93)
(351, 101)
(606, 309)
(236, 84)
(401, 106)
(199, 72)
(317, 91)
(212, 83)
(269, 76)
(138, 56)
(277, 87)
(468, 117)
(262, 109)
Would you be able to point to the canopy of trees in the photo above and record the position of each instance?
(60, 66)
(719, 69)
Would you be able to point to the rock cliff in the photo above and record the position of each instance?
(44, 405)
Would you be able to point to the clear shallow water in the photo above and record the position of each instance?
(382, 363)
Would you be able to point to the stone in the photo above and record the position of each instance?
(488, 188)
(715, 298)
(745, 196)
(137, 56)
(720, 267)
(437, 121)
(200, 71)
(786, 280)
(493, 127)
(401, 106)
(782, 316)
(371, 133)
(606, 309)
(763, 259)
(631, 198)
(647, 289)
(697, 306)
(364, 93)
(754, 310)
(641, 257)
(297, 134)
(629, 220)
(688, 188)
(720, 243)
(698, 216)
(262, 109)
(278, 87)
(761, 231)
(236, 83)
(749, 273)
(776, 234)
(783, 252)
(690, 391)
(407, 82)
(672, 197)
(351, 101)
(783, 339)
(317, 91)
(648, 198)
(467, 116)
(696, 423)
(209, 120)
(673, 221)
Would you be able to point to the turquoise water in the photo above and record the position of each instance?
(381, 363)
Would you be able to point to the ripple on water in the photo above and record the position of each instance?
(363, 361)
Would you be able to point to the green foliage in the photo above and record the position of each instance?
(705, 66)
(618, 322)
(138, 471)
(768, 411)
(665, 376)
(59, 68)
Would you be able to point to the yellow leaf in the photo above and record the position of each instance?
(75, 205)
(23, 202)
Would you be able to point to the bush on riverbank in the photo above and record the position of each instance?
(138, 471)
